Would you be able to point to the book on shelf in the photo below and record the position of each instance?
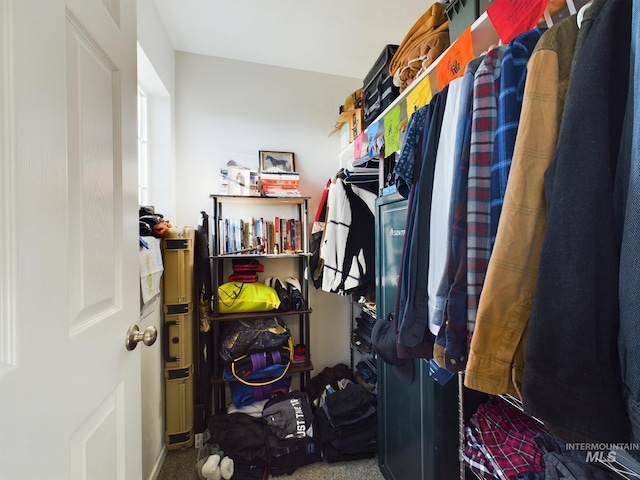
(257, 235)
(289, 177)
(281, 192)
(298, 224)
(276, 231)
(286, 238)
(280, 184)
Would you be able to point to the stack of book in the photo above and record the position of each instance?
(280, 184)
(259, 235)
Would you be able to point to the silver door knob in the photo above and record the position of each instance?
(134, 335)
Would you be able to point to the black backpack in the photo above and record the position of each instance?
(293, 439)
(241, 438)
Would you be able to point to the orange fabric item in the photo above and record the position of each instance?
(424, 42)
(454, 62)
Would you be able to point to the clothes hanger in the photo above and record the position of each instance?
(581, 13)
(547, 18)
(570, 5)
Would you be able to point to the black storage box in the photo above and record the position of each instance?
(462, 13)
(378, 88)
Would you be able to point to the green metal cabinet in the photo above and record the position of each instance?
(417, 423)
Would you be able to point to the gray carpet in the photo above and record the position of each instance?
(180, 465)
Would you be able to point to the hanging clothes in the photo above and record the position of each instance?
(441, 200)
(347, 252)
(413, 321)
(405, 169)
(463, 137)
(629, 336)
(572, 371)
(409, 170)
(316, 265)
(496, 358)
(514, 74)
(470, 233)
(486, 89)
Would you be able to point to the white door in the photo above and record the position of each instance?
(69, 285)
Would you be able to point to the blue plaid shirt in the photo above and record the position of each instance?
(514, 74)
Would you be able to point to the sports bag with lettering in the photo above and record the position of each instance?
(289, 416)
(291, 438)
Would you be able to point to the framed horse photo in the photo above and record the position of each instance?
(276, 162)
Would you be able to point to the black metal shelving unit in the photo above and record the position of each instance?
(218, 261)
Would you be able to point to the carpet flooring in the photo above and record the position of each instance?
(180, 465)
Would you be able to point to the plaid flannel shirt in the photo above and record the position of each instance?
(505, 435)
(483, 126)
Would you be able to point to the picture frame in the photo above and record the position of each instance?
(276, 162)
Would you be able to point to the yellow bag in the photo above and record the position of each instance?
(239, 297)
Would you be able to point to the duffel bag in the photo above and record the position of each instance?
(239, 297)
(258, 335)
(244, 368)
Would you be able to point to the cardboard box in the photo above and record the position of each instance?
(349, 124)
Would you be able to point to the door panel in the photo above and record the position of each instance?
(92, 91)
(399, 404)
(69, 287)
(92, 447)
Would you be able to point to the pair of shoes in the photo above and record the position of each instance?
(283, 293)
(216, 468)
(295, 291)
(291, 296)
(205, 453)
(211, 464)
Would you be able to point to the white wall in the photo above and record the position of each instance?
(158, 80)
(226, 108)
(156, 76)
